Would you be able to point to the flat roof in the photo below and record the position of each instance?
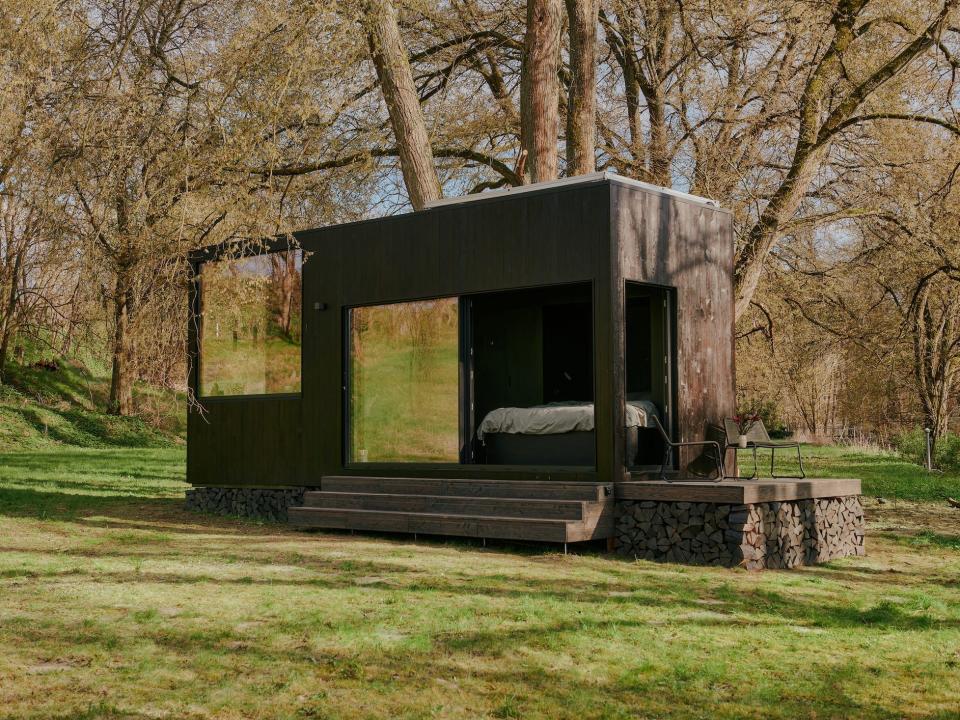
(589, 178)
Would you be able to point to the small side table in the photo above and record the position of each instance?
(735, 447)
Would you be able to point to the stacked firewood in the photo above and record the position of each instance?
(761, 535)
(259, 503)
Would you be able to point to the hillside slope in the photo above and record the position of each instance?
(62, 405)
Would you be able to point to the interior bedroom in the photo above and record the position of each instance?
(531, 377)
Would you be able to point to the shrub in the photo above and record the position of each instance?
(913, 446)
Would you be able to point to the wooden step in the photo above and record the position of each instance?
(454, 505)
(544, 490)
(507, 528)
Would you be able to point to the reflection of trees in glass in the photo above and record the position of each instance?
(250, 334)
(405, 382)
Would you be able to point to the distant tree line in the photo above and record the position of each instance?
(134, 130)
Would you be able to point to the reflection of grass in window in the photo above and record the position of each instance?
(250, 367)
(405, 389)
(245, 349)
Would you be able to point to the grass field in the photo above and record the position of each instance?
(116, 603)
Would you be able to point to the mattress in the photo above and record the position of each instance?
(560, 417)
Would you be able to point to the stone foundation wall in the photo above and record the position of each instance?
(762, 535)
(258, 503)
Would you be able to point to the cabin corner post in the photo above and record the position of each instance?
(193, 356)
(611, 374)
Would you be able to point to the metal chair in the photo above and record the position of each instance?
(670, 446)
(758, 437)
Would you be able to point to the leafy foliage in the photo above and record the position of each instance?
(913, 446)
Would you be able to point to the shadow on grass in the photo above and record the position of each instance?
(659, 681)
(928, 539)
(75, 426)
(260, 556)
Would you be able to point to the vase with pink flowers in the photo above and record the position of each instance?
(745, 420)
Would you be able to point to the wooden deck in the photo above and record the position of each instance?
(561, 512)
(737, 492)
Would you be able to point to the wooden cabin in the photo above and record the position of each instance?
(490, 366)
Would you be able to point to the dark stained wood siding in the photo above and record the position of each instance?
(548, 237)
(666, 240)
(601, 233)
(246, 441)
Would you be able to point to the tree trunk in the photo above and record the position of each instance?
(767, 231)
(283, 271)
(540, 89)
(936, 336)
(659, 153)
(400, 94)
(582, 103)
(121, 383)
(9, 321)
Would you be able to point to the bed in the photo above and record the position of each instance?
(560, 433)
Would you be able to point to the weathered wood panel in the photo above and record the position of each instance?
(667, 240)
(738, 492)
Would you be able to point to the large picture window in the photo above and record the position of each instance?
(250, 326)
(404, 382)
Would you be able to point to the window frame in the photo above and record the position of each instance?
(223, 255)
(346, 344)
(466, 389)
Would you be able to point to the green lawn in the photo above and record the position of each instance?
(116, 603)
(884, 474)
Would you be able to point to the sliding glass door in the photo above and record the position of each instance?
(404, 390)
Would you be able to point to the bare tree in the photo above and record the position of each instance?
(829, 104)
(934, 317)
(539, 92)
(389, 55)
(582, 103)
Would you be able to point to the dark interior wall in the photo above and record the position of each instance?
(568, 352)
(530, 347)
(670, 241)
(507, 357)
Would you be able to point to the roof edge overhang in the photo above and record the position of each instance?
(589, 178)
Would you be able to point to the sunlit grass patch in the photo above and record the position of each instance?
(115, 602)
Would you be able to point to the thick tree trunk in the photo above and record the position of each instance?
(768, 229)
(659, 153)
(582, 102)
(540, 89)
(406, 117)
(121, 382)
